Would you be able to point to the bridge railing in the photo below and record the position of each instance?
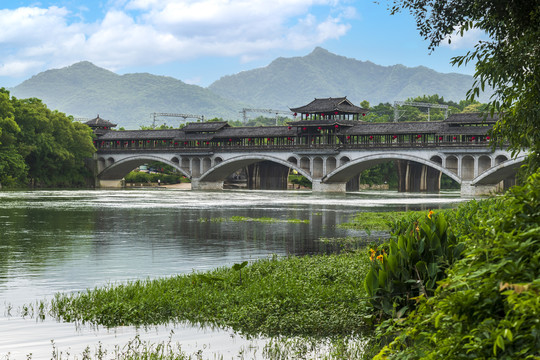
(290, 147)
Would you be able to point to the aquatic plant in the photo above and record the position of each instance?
(312, 296)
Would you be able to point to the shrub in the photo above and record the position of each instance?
(489, 305)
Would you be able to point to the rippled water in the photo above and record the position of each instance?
(64, 241)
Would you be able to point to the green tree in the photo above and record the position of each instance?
(53, 146)
(13, 169)
(508, 61)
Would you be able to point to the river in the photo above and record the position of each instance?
(70, 240)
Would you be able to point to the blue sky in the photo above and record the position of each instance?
(199, 41)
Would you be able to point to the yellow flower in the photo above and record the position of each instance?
(380, 258)
(417, 229)
(429, 214)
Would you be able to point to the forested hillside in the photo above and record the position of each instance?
(85, 90)
(297, 81)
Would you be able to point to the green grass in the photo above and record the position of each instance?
(316, 296)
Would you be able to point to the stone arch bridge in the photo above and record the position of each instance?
(477, 170)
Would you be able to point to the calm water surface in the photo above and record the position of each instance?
(65, 241)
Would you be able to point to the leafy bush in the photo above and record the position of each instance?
(410, 264)
(489, 305)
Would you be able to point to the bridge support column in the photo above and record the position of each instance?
(319, 186)
(468, 189)
(111, 183)
(196, 184)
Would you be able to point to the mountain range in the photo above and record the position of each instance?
(85, 90)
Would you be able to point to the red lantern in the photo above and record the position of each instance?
(487, 138)
(454, 138)
(363, 114)
(198, 143)
(164, 141)
(335, 112)
(304, 129)
(230, 140)
(148, 141)
(418, 136)
(394, 137)
(349, 137)
(322, 114)
(473, 138)
(118, 142)
(307, 115)
(371, 137)
(289, 126)
(208, 143)
(440, 138)
(175, 144)
(336, 126)
(294, 114)
(319, 128)
(185, 142)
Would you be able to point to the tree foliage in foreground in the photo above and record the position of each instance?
(489, 304)
(508, 61)
(40, 146)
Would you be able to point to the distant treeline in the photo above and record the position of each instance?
(41, 147)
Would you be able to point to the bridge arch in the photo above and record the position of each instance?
(227, 167)
(348, 170)
(118, 169)
(500, 171)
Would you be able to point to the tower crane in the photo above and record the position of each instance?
(184, 116)
(418, 104)
(267, 111)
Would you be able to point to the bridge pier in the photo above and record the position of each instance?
(416, 177)
(318, 186)
(196, 184)
(111, 183)
(468, 189)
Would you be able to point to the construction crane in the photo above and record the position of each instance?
(418, 104)
(267, 111)
(184, 116)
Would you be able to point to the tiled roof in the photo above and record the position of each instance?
(99, 122)
(141, 134)
(471, 118)
(205, 126)
(330, 105)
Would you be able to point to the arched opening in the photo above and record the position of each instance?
(484, 164)
(196, 167)
(217, 160)
(500, 159)
(317, 167)
(137, 172)
(293, 160)
(207, 164)
(176, 160)
(305, 163)
(331, 164)
(467, 167)
(343, 160)
(109, 162)
(185, 164)
(436, 159)
(452, 164)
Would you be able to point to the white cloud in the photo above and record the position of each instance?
(468, 40)
(143, 32)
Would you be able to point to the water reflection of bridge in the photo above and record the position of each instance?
(329, 150)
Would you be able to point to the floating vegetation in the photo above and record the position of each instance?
(371, 221)
(250, 219)
(317, 296)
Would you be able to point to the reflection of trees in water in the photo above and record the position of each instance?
(33, 237)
